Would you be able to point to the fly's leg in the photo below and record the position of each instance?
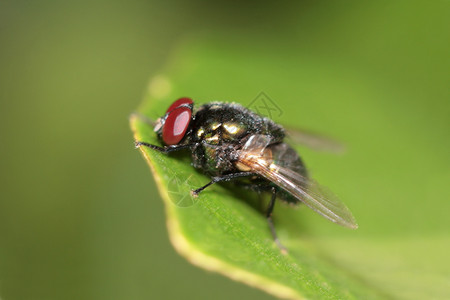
(226, 177)
(166, 149)
(270, 221)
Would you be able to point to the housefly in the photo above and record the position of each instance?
(230, 142)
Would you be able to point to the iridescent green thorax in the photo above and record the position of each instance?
(223, 128)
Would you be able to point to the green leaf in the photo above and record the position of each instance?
(224, 231)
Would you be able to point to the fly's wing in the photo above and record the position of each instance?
(315, 141)
(254, 155)
(314, 195)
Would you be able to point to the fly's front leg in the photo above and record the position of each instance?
(226, 177)
(165, 149)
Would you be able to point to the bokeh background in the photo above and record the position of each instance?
(79, 214)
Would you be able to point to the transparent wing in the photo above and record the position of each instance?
(255, 156)
(314, 141)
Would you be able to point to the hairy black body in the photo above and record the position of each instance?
(219, 130)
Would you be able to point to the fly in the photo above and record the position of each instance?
(230, 142)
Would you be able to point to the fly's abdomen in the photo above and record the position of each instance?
(284, 156)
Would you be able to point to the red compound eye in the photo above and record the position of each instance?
(176, 124)
(179, 102)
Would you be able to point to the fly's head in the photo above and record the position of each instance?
(173, 126)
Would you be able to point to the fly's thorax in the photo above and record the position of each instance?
(217, 133)
(218, 122)
(214, 159)
(221, 130)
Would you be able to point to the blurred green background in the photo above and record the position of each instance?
(79, 214)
